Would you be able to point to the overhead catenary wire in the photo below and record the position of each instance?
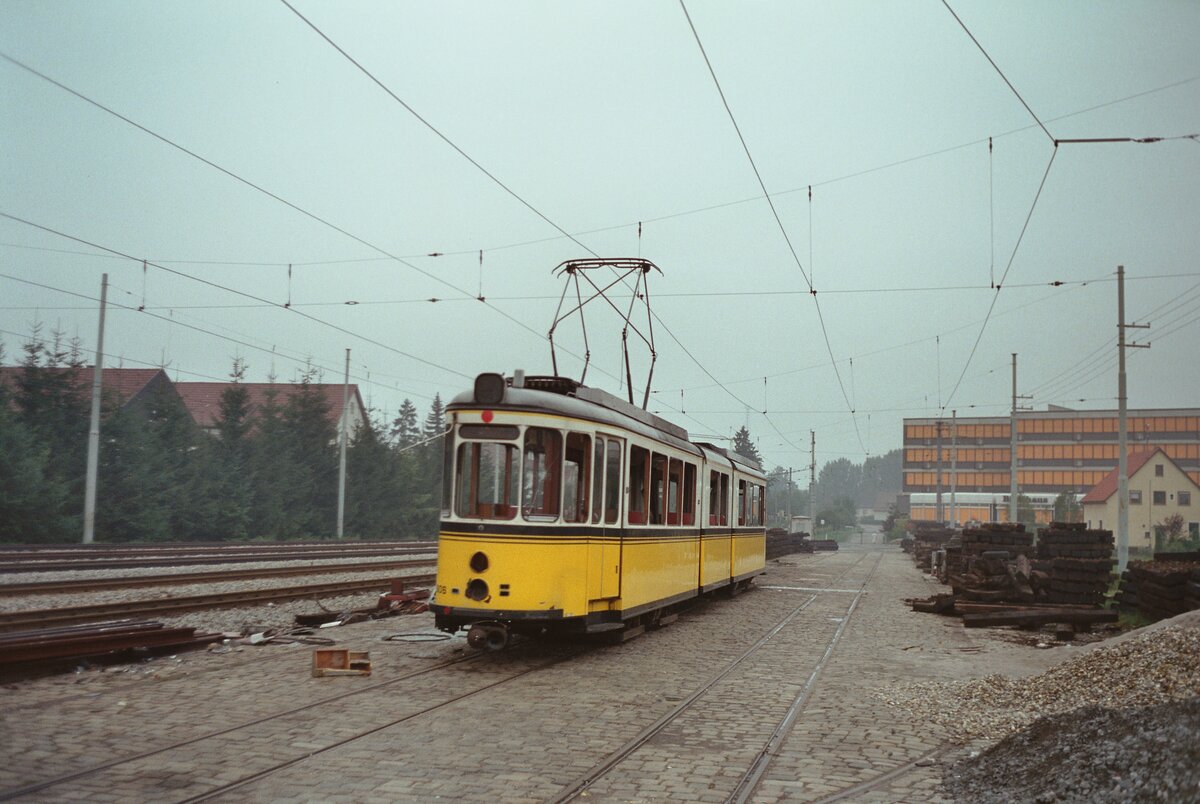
(243, 294)
(495, 179)
(998, 70)
(1003, 277)
(448, 252)
(258, 188)
(202, 330)
(774, 212)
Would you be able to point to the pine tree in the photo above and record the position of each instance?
(742, 445)
(405, 432)
(310, 442)
(374, 495)
(228, 460)
(32, 501)
(271, 473)
(55, 411)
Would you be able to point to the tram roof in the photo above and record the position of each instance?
(569, 398)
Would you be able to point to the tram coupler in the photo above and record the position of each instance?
(488, 636)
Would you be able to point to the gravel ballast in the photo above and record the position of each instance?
(1093, 754)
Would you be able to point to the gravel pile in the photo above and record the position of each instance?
(1136, 671)
(1092, 754)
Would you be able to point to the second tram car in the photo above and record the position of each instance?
(568, 510)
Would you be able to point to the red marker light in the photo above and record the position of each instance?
(487, 416)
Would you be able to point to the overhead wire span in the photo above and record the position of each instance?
(228, 289)
(202, 330)
(563, 232)
(774, 212)
(669, 216)
(992, 61)
(260, 189)
(434, 128)
(1003, 277)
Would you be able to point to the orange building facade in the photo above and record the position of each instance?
(1058, 450)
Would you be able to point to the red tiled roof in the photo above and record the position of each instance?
(124, 383)
(1108, 486)
(203, 399)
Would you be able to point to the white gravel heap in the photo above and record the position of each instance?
(1160, 665)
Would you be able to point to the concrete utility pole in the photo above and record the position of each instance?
(789, 499)
(1123, 425)
(953, 465)
(938, 504)
(1012, 448)
(342, 457)
(812, 481)
(93, 454)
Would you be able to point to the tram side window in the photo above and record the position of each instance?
(689, 494)
(612, 483)
(674, 491)
(755, 516)
(639, 485)
(714, 498)
(658, 488)
(486, 480)
(540, 477)
(447, 466)
(741, 506)
(598, 481)
(576, 478)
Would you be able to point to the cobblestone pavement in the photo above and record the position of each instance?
(535, 719)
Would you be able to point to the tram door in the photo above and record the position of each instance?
(604, 571)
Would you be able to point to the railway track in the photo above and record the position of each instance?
(580, 786)
(18, 562)
(320, 712)
(43, 618)
(343, 723)
(183, 578)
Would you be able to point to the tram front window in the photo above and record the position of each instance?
(540, 488)
(485, 484)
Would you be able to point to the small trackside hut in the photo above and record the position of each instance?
(569, 510)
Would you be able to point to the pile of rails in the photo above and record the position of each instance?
(98, 639)
(781, 543)
(928, 537)
(1162, 588)
(1074, 564)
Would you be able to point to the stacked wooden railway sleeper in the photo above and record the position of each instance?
(781, 543)
(1074, 564)
(995, 578)
(928, 537)
(1165, 587)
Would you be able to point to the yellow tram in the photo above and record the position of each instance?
(569, 510)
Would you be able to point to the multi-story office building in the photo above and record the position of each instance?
(1058, 450)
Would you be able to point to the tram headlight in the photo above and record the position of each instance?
(489, 389)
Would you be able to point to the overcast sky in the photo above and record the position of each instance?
(591, 117)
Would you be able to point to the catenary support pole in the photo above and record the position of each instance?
(953, 466)
(1012, 447)
(342, 450)
(93, 453)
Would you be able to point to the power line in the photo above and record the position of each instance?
(774, 212)
(477, 165)
(248, 345)
(434, 129)
(1003, 277)
(998, 70)
(260, 189)
(228, 289)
